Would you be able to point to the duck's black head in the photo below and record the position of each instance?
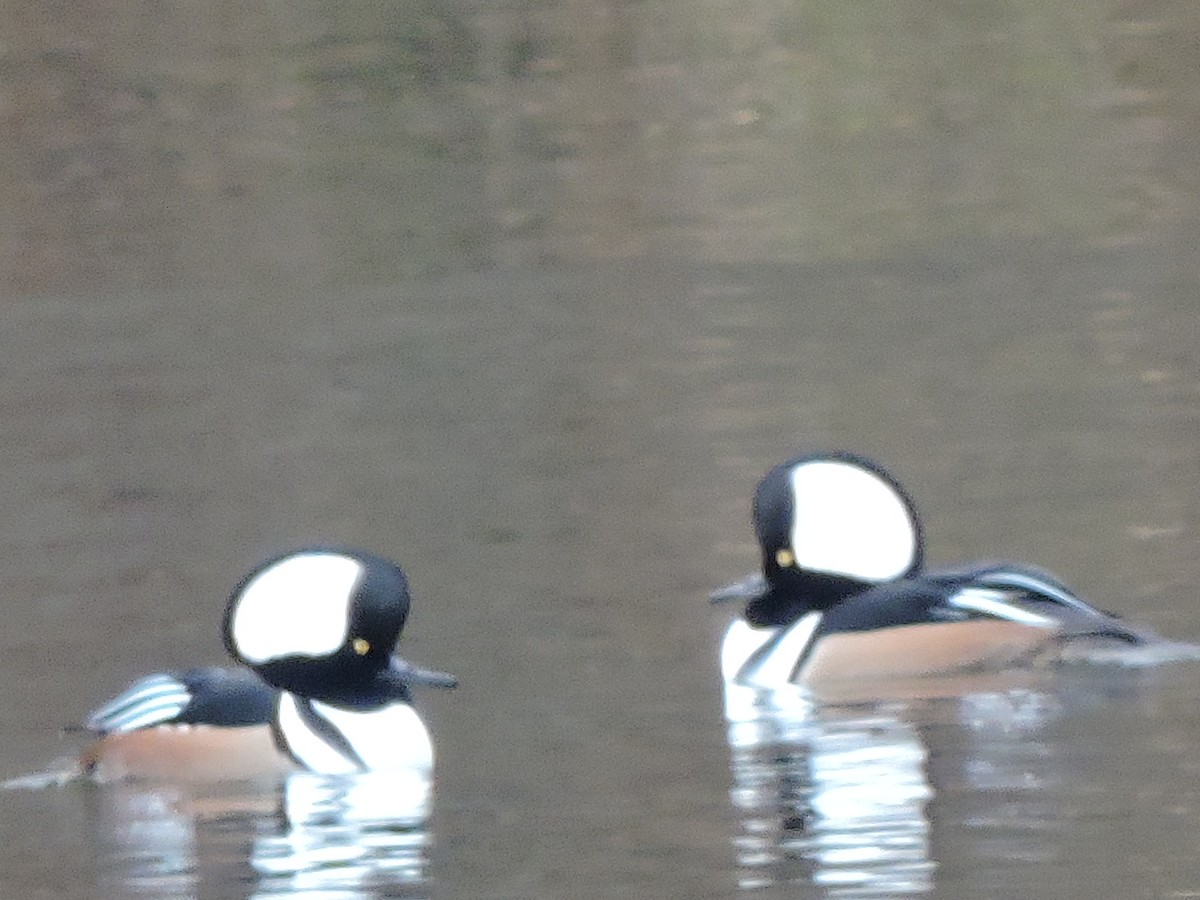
(829, 525)
(323, 624)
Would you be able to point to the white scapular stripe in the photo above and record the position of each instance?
(994, 603)
(149, 701)
(1025, 581)
(849, 521)
(298, 607)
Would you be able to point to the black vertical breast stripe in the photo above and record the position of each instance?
(326, 731)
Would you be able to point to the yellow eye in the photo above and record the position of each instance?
(361, 646)
(785, 557)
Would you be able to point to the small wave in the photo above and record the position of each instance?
(1157, 652)
(61, 772)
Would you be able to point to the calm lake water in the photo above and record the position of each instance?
(527, 296)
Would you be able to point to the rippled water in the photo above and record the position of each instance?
(528, 298)
(998, 788)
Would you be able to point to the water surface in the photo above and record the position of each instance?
(528, 298)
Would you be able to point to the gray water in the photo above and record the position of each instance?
(527, 296)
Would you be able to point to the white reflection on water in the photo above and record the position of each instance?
(149, 845)
(333, 837)
(346, 837)
(1016, 773)
(835, 800)
(839, 797)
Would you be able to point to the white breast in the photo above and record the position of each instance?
(390, 739)
(756, 664)
(765, 658)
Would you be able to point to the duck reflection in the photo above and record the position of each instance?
(1012, 782)
(346, 836)
(831, 797)
(838, 794)
(322, 691)
(312, 836)
(146, 845)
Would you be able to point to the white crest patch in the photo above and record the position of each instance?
(849, 521)
(300, 606)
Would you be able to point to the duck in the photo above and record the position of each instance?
(318, 688)
(843, 595)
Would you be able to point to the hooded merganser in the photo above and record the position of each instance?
(322, 692)
(841, 594)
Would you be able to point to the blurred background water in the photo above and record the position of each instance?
(528, 296)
